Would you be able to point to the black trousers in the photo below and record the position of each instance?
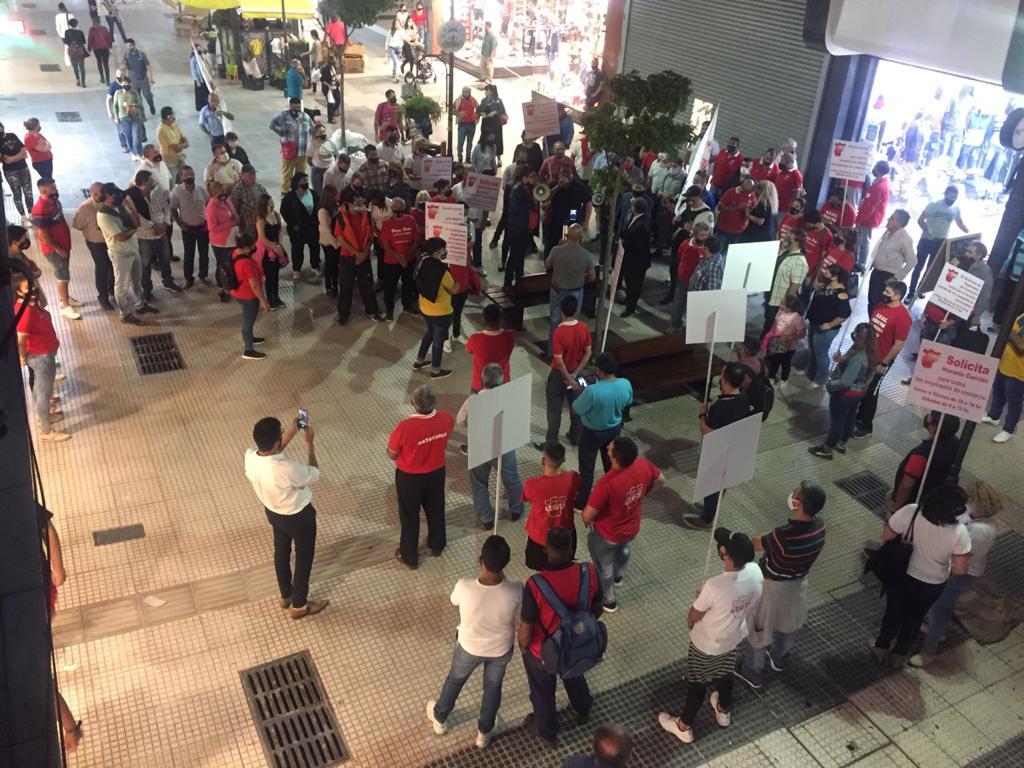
(552, 236)
(389, 277)
(352, 275)
(542, 696)
(458, 304)
(875, 287)
(331, 257)
(272, 280)
(298, 531)
(414, 492)
(517, 245)
(300, 240)
(555, 394)
(592, 444)
(103, 271)
(633, 282)
(222, 254)
(695, 693)
(778, 360)
(905, 606)
(869, 403)
(102, 63)
(193, 239)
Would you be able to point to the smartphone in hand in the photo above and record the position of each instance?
(303, 418)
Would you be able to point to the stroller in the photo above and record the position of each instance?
(419, 68)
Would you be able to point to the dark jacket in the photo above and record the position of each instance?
(636, 246)
(296, 218)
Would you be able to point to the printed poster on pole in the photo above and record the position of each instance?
(540, 118)
(957, 291)
(481, 191)
(952, 381)
(727, 456)
(851, 160)
(499, 420)
(435, 169)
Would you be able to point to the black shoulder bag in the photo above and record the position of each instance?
(889, 562)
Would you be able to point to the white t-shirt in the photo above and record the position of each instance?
(726, 599)
(280, 484)
(934, 545)
(983, 536)
(487, 615)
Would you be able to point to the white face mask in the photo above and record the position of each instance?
(791, 502)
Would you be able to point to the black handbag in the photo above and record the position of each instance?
(889, 562)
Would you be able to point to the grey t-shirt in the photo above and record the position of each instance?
(570, 262)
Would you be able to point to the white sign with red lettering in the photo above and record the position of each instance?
(435, 169)
(952, 381)
(851, 160)
(457, 245)
(448, 221)
(481, 191)
(540, 118)
(957, 291)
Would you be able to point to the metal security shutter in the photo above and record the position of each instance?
(747, 56)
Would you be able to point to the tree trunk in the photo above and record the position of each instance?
(606, 260)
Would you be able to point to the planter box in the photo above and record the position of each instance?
(354, 65)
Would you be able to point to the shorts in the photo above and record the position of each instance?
(61, 267)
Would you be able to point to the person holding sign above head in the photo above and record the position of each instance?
(551, 496)
(1008, 389)
(891, 322)
(934, 221)
(600, 408)
(436, 287)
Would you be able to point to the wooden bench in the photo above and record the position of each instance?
(533, 291)
(664, 366)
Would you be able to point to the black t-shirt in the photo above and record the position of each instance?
(759, 233)
(573, 197)
(728, 409)
(11, 145)
(826, 305)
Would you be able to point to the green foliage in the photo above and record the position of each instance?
(641, 111)
(359, 13)
(417, 106)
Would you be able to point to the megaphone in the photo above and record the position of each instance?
(542, 193)
(597, 199)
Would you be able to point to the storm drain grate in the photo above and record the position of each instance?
(49, 67)
(157, 353)
(117, 535)
(69, 117)
(295, 721)
(867, 488)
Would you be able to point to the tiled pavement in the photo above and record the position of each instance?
(156, 680)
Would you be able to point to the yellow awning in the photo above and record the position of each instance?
(202, 6)
(271, 9)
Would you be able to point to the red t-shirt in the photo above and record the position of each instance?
(734, 222)
(565, 582)
(420, 442)
(553, 166)
(466, 109)
(727, 167)
(336, 32)
(570, 340)
(872, 207)
(891, 324)
(689, 257)
(33, 141)
(786, 184)
(761, 172)
(38, 327)
(385, 115)
(839, 256)
(48, 215)
(935, 313)
(490, 347)
(618, 497)
(551, 498)
(915, 466)
(399, 233)
(818, 242)
(419, 18)
(245, 268)
(830, 216)
(789, 223)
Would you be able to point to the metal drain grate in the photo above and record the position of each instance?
(49, 67)
(69, 117)
(868, 489)
(117, 535)
(295, 721)
(157, 353)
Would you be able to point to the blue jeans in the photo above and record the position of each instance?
(435, 336)
(754, 659)
(113, 21)
(1009, 392)
(462, 667)
(44, 368)
(479, 481)
(930, 331)
(555, 310)
(610, 559)
(942, 610)
(593, 443)
(466, 131)
(842, 412)
(726, 239)
(250, 311)
(679, 306)
(129, 129)
(821, 343)
(395, 56)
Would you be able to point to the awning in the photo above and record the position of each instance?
(201, 7)
(271, 9)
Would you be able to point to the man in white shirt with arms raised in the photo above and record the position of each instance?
(282, 485)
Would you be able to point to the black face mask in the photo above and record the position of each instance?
(295, 112)
(189, 182)
(222, 197)
(795, 211)
(303, 187)
(158, 158)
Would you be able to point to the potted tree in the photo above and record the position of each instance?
(422, 112)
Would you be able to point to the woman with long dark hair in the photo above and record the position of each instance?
(326, 213)
(298, 209)
(847, 385)
(492, 117)
(269, 249)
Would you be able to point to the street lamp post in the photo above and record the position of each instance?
(451, 36)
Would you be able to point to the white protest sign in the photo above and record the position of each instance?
(851, 160)
(435, 169)
(540, 118)
(957, 291)
(699, 159)
(952, 381)
(499, 420)
(457, 244)
(713, 316)
(481, 191)
(716, 471)
(440, 217)
(749, 266)
(620, 254)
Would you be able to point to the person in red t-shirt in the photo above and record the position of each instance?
(249, 293)
(891, 321)
(793, 218)
(570, 353)
(690, 253)
(39, 149)
(818, 241)
(491, 345)
(54, 236)
(789, 182)
(465, 109)
(765, 167)
(417, 446)
(835, 213)
(551, 496)
(842, 252)
(37, 349)
(614, 510)
(399, 238)
(732, 210)
(872, 209)
(726, 170)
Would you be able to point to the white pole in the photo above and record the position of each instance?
(711, 356)
(931, 453)
(497, 495)
(718, 512)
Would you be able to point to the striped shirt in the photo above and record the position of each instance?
(790, 550)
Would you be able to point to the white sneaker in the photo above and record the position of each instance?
(69, 313)
(73, 302)
(296, 275)
(439, 728)
(671, 724)
(921, 660)
(987, 420)
(59, 376)
(447, 347)
(722, 718)
(483, 740)
(1002, 437)
(54, 436)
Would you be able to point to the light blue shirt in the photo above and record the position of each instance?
(293, 83)
(600, 405)
(208, 119)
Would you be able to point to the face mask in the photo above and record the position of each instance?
(795, 211)
(295, 112)
(303, 186)
(189, 182)
(731, 149)
(559, 154)
(392, 101)
(359, 208)
(158, 158)
(791, 502)
(54, 196)
(222, 197)
(373, 160)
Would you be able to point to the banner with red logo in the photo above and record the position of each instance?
(433, 170)
(957, 291)
(851, 160)
(952, 381)
(540, 118)
(481, 191)
(448, 221)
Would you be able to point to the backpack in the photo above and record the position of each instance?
(760, 393)
(230, 277)
(579, 641)
(429, 275)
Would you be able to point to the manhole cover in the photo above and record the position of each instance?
(295, 721)
(49, 67)
(69, 117)
(157, 353)
(117, 535)
(868, 489)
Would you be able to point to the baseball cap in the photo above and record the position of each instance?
(737, 545)
(110, 188)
